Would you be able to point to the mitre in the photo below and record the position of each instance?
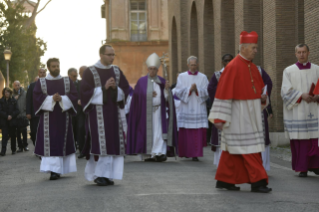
(153, 61)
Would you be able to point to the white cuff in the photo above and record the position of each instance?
(97, 97)
(65, 103)
(48, 104)
(120, 95)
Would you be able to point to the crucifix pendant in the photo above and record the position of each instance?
(254, 88)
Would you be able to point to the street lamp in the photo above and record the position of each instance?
(7, 56)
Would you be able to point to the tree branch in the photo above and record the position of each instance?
(30, 4)
(44, 6)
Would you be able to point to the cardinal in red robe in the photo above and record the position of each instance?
(240, 97)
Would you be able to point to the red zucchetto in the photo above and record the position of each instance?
(246, 37)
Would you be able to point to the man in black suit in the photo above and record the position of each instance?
(79, 119)
(34, 120)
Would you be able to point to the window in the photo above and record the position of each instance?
(138, 21)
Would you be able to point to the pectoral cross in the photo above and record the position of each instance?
(254, 88)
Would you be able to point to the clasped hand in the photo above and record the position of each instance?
(193, 88)
(308, 98)
(57, 97)
(110, 83)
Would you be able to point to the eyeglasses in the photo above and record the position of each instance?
(110, 55)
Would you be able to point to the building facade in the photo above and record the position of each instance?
(136, 29)
(211, 28)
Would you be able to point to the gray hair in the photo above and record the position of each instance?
(300, 45)
(243, 45)
(72, 70)
(192, 58)
(17, 81)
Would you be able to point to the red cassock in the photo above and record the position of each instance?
(236, 84)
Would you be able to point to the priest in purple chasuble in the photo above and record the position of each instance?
(54, 100)
(104, 90)
(191, 89)
(151, 127)
(301, 112)
(211, 89)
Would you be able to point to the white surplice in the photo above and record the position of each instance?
(193, 112)
(110, 166)
(57, 164)
(243, 131)
(300, 119)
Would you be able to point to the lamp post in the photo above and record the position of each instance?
(7, 56)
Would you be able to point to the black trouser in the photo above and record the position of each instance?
(34, 122)
(6, 132)
(22, 143)
(81, 130)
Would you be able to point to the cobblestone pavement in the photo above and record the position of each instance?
(176, 185)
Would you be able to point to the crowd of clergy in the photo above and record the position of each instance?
(107, 119)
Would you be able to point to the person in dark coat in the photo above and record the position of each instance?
(8, 113)
(34, 120)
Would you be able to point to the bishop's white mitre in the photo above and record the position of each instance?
(153, 61)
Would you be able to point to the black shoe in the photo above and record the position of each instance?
(20, 150)
(195, 159)
(261, 189)
(150, 160)
(14, 153)
(316, 171)
(228, 186)
(162, 158)
(303, 174)
(109, 182)
(26, 149)
(3, 152)
(54, 176)
(81, 156)
(100, 181)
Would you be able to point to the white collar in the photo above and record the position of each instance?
(304, 64)
(98, 64)
(221, 71)
(50, 77)
(243, 57)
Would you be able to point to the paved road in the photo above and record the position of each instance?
(176, 185)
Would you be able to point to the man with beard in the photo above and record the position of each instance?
(34, 120)
(54, 100)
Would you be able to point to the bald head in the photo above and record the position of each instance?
(16, 85)
(42, 73)
(81, 70)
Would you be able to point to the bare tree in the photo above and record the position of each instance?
(34, 5)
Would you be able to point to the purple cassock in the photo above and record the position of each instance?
(55, 134)
(103, 123)
(212, 86)
(140, 126)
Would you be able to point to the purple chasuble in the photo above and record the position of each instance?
(55, 134)
(212, 87)
(103, 123)
(267, 81)
(137, 128)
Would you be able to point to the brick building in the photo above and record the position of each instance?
(210, 28)
(136, 29)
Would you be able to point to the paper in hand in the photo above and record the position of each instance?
(264, 90)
